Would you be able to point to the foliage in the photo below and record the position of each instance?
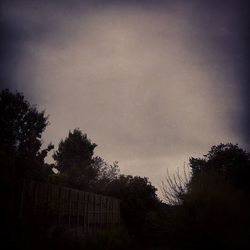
(175, 187)
(138, 198)
(79, 167)
(228, 160)
(225, 160)
(21, 130)
(112, 239)
(62, 238)
(208, 209)
(107, 173)
(75, 149)
(213, 207)
(21, 155)
(74, 159)
(213, 215)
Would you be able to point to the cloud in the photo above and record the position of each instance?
(152, 86)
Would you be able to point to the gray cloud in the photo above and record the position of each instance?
(152, 83)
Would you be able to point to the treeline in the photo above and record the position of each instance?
(75, 165)
(206, 206)
(212, 201)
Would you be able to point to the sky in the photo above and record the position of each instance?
(151, 82)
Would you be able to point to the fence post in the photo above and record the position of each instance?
(59, 206)
(22, 199)
(78, 208)
(69, 209)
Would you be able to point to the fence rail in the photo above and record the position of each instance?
(57, 205)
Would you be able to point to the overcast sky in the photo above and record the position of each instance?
(151, 82)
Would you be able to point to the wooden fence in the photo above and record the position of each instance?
(56, 205)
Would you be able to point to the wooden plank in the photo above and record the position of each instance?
(59, 207)
(69, 206)
(90, 211)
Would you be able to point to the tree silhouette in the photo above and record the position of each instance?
(74, 158)
(21, 156)
(213, 207)
(138, 199)
(21, 130)
(226, 160)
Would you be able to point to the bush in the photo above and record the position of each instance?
(113, 239)
(214, 214)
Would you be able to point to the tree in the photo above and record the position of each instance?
(107, 173)
(226, 160)
(21, 155)
(174, 187)
(21, 130)
(213, 204)
(74, 159)
(138, 198)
